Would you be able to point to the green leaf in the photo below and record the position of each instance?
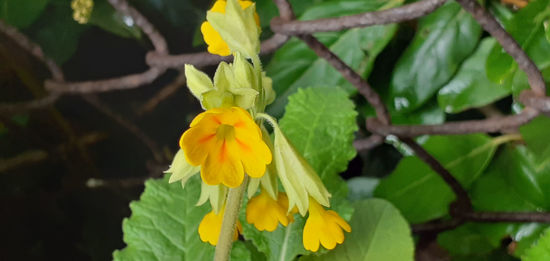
(21, 13)
(357, 47)
(444, 39)
(526, 235)
(513, 182)
(540, 251)
(379, 233)
(320, 123)
(418, 192)
(362, 187)
(472, 239)
(527, 29)
(105, 16)
(164, 224)
(535, 134)
(470, 87)
(56, 32)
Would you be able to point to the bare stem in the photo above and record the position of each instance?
(230, 216)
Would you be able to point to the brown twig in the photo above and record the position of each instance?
(491, 25)
(393, 15)
(204, 58)
(349, 74)
(163, 94)
(96, 102)
(454, 128)
(368, 143)
(462, 202)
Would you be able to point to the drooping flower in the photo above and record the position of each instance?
(211, 226)
(324, 227)
(265, 213)
(226, 143)
(216, 45)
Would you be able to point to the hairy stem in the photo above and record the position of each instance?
(232, 207)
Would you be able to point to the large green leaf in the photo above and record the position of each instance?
(535, 134)
(540, 251)
(472, 239)
(470, 87)
(105, 16)
(444, 39)
(418, 192)
(164, 224)
(21, 13)
(379, 233)
(526, 27)
(320, 123)
(357, 47)
(56, 31)
(513, 182)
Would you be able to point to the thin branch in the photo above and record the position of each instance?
(393, 15)
(118, 83)
(156, 59)
(18, 107)
(163, 94)
(491, 25)
(349, 74)
(541, 217)
(454, 128)
(285, 10)
(463, 202)
(368, 143)
(156, 38)
(151, 145)
(531, 99)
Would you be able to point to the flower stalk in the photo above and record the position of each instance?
(232, 208)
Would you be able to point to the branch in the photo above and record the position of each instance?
(531, 99)
(349, 74)
(368, 143)
(156, 59)
(453, 128)
(393, 15)
(541, 217)
(164, 93)
(491, 25)
(463, 202)
(156, 38)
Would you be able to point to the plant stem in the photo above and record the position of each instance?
(232, 207)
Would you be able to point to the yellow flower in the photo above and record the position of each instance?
(216, 45)
(265, 213)
(323, 226)
(211, 225)
(225, 142)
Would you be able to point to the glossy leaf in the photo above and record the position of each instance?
(56, 32)
(444, 39)
(472, 239)
(379, 233)
(105, 16)
(320, 123)
(21, 13)
(527, 29)
(535, 134)
(470, 87)
(357, 47)
(418, 192)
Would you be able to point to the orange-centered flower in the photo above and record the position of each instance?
(323, 226)
(226, 143)
(265, 213)
(216, 45)
(211, 225)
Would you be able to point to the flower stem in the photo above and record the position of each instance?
(232, 207)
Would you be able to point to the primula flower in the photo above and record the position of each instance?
(265, 213)
(211, 225)
(225, 142)
(216, 45)
(323, 226)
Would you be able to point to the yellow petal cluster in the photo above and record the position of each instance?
(265, 213)
(226, 143)
(323, 227)
(211, 225)
(216, 45)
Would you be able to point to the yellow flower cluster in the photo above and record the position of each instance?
(82, 10)
(228, 141)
